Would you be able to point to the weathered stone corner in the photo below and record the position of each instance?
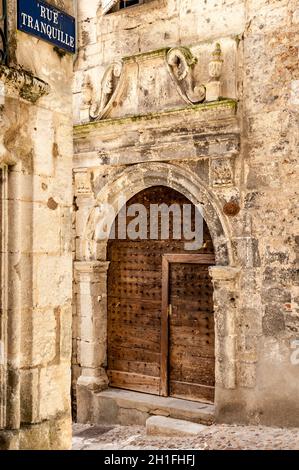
(19, 81)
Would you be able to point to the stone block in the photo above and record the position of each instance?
(52, 271)
(160, 425)
(55, 385)
(40, 330)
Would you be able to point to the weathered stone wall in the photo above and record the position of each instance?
(257, 372)
(36, 111)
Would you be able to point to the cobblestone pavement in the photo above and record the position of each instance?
(222, 437)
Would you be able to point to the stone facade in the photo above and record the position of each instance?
(202, 97)
(36, 247)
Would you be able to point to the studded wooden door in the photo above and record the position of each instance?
(135, 323)
(188, 315)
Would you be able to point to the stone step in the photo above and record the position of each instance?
(170, 427)
(115, 406)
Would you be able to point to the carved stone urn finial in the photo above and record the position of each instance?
(215, 65)
(215, 71)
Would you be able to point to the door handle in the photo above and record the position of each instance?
(169, 310)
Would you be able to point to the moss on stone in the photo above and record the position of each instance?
(155, 53)
(226, 103)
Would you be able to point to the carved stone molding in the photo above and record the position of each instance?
(180, 63)
(111, 88)
(26, 85)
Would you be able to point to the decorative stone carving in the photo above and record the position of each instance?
(146, 80)
(222, 171)
(28, 87)
(111, 87)
(82, 182)
(180, 62)
(213, 88)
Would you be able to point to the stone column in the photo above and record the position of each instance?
(224, 280)
(91, 278)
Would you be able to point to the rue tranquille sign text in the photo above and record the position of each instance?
(40, 19)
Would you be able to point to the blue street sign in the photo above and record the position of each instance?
(49, 23)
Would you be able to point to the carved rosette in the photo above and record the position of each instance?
(180, 63)
(111, 88)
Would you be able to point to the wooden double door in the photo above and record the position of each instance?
(160, 314)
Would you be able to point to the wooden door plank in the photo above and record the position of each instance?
(164, 328)
(132, 381)
(191, 391)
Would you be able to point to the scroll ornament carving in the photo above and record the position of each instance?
(111, 87)
(180, 62)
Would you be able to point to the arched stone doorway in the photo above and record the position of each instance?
(161, 336)
(92, 269)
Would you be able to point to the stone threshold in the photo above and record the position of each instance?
(116, 406)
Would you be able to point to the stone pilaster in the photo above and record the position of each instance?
(91, 278)
(224, 280)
